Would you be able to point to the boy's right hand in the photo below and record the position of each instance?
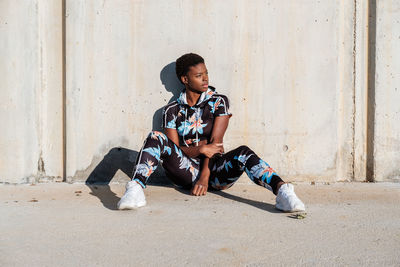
(211, 149)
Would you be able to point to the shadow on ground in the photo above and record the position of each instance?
(118, 158)
(257, 204)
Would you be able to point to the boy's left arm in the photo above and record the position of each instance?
(217, 136)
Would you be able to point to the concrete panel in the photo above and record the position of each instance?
(51, 90)
(360, 90)
(287, 68)
(30, 91)
(387, 92)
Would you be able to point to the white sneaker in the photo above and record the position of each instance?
(133, 197)
(286, 200)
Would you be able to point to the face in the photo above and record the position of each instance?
(197, 78)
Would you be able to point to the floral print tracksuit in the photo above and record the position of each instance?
(194, 124)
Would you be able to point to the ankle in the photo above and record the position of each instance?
(278, 186)
(135, 181)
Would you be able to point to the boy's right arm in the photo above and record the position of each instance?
(207, 150)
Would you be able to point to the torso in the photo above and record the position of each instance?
(194, 124)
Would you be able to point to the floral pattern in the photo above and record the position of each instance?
(215, 104)
(242, 159)
(262, 171)
(185, 163)
(146, 168)
(194, 123)
(225, 165)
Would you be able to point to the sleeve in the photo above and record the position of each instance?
(168, 118)
(222, 106)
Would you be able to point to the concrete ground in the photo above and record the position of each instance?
(58, 224)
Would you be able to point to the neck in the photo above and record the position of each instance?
(192, 97)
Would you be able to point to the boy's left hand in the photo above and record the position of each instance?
(200, 188)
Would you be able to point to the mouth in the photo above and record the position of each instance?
(205, 85)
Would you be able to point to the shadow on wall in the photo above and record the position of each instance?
(123, 159)
(173, 85)
(119, 158)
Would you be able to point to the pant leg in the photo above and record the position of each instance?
(181, 169)
(226, 169)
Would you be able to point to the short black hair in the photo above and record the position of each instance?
(184, 63)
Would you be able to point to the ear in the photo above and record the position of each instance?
(184, 79)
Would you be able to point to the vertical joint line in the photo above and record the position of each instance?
(353, 149)
(64, 93)
(370, 172)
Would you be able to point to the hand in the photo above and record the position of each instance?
(200, 188)
(211, 149)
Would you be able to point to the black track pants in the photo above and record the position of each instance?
(184, 171)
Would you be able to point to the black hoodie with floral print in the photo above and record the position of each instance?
(195, 123)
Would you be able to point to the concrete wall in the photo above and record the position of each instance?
(286, 67)
(30, 91)
(387, 92)
(296, 74)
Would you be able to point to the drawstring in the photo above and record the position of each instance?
(197, 133)
(184, 129)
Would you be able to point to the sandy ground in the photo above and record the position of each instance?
(58, 224)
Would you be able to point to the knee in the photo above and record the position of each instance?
(243, 149)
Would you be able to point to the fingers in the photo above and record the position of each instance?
(195, 190)
(212, 149)
(220, 147)
(202, 190)
(203, 193)
(199, 190)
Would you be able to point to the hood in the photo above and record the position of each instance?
(204, 97)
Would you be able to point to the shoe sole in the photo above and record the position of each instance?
(288, 211)
(126, 207)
